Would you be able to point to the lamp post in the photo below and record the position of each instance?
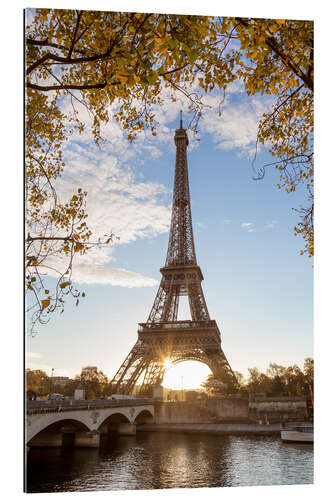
(51, 382)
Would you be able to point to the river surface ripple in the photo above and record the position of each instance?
(166, 460)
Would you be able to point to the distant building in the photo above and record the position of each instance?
(174, 394)
(62, 381)
(79, 392)
(183, 394)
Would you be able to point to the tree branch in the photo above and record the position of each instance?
(79, 14)
(49, 43)
(282, 103)
(273, 44)
(66, 60)
(41, 43)
(68, 87)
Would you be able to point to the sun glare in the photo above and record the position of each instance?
(167, 364)
(185, 375)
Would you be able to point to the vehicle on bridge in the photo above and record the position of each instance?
(121, 396)
(56, 396)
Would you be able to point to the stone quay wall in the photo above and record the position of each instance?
(282, 409)
(232, 409)
(205, 411)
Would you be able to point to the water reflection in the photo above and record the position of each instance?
(269, 461)
(163, 460)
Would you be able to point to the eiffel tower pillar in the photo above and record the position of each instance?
(163, 336)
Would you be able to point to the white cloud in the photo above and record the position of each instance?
(237, 126)
(107, 275)
(271, 224)
(227, 221)
(249, 226)
(118, 201)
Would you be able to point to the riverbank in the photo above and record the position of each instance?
(230, 428)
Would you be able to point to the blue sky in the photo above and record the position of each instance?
(257, 286)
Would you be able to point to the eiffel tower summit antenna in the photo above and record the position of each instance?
(164, 337)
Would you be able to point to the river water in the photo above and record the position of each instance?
(166, 460)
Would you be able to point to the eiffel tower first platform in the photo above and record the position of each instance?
(163, 337)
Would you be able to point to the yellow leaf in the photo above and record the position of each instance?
(64, 284)
(45, 303)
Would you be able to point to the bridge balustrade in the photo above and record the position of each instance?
(51, 406)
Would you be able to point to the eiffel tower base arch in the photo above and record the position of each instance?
(176, 342)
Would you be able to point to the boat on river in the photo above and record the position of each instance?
(300, 433)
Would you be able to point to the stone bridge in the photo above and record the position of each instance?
(84, 423)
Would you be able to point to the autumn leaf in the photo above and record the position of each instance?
(64, 284)
(45, 303)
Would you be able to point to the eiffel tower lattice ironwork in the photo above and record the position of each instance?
(163, 337)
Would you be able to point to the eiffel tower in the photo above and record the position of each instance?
(163, 337)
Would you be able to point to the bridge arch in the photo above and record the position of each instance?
(52, 432)
(113, 420)
(144, 417)
(38, 423)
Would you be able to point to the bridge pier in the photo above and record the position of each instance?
(87, 439)
(49, 439)
(90, 439)
(126, 429)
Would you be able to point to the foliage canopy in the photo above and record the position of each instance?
(277, 381)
